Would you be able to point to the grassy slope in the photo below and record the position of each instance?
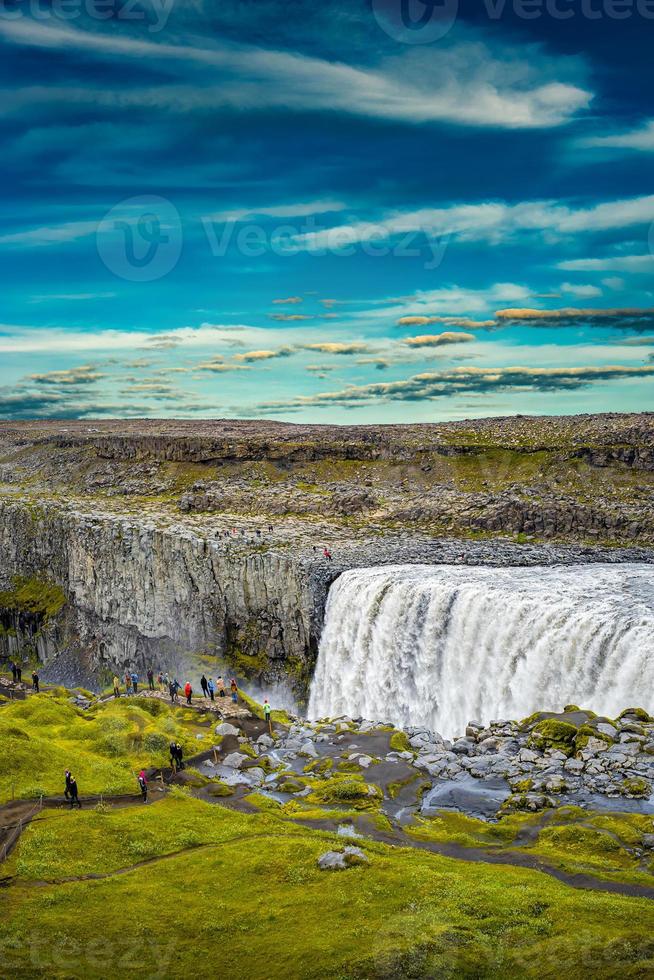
(104, 747)
(241, 895)
(256, 906)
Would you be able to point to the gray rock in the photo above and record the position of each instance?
(226, 729)
(236, 760)
(341, 860)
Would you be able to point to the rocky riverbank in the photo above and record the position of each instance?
(572, 758)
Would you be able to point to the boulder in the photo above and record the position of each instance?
(226, 729)
(341, 860)
(236, 760)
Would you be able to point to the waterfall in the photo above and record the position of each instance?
(441, 645)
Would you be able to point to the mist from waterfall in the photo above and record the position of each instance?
(441, 645)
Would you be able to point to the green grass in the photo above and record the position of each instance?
(104, 747)
(33, 595)
(252, 903)
(571, 839)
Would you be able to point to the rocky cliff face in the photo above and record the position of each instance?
(174, 543)
(140, 595)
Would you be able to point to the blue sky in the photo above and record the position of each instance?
(372, 211)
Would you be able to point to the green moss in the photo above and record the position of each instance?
(320, 766)
(104, 746)
(637, 787)
(408, 914)
(246, 664)
(523, 786)
(257, 710)
(639, 713)
(219, 789)
(393, 790)
(33, 595)
(355, 793)
(400, 743)
(553, 734)
(587, 732)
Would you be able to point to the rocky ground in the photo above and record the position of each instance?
(546, 761)
(586, 478)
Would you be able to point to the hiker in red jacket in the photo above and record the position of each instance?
(188, 691)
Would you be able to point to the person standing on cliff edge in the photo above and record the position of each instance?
(151, 678)
(188, 691)
(204, 686)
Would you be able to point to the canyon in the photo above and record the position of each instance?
(197, 545)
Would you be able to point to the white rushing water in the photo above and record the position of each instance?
(441, 645)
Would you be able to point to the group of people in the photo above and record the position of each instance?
(17, 675)
(71, 792)
(170, 684)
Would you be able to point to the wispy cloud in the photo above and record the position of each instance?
(640, 139)
(460, 380)
(494, 90)
(492, 221)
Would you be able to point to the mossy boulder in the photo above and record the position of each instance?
(555, 735)
(522, 786)
(320, 766)
(639, 714)
(400, 742)
(636, 787)
(220, 789)
(587, 732)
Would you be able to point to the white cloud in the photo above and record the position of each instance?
(615, 263)
(465, 85)
(52, 235)
(491, 221)
(635, 139)
(579, 289)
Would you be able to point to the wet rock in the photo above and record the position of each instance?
(236, 760)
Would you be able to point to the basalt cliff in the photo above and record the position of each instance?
(187, 543)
